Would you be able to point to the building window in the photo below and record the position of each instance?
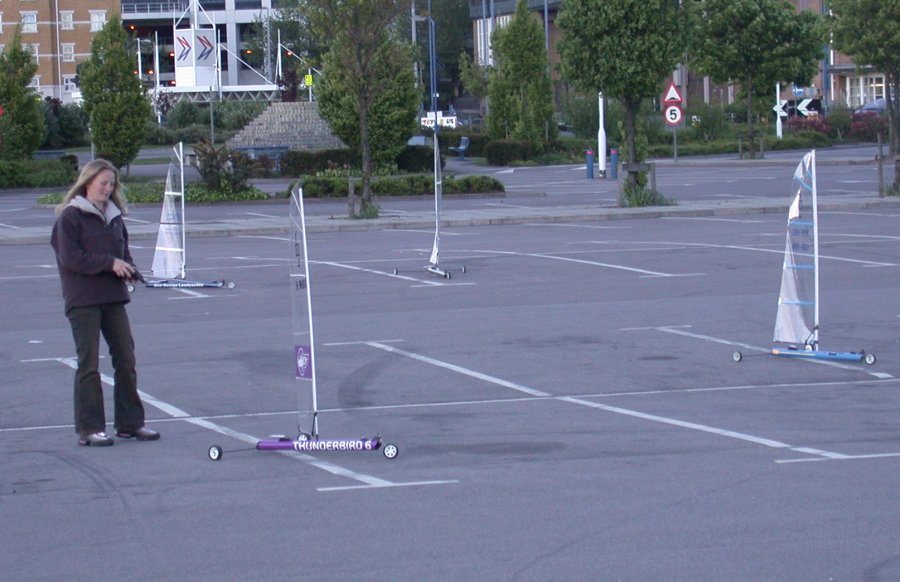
(65, 20)
(69, 83)
(35, 82)
(29, 22)
(68, 52)
(35, 50)
(98, 19)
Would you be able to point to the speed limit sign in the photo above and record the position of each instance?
(673, 114)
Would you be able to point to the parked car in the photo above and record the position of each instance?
(876, 106)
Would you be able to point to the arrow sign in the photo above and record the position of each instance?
(802, 107)
(207, 48)
(779, 109)
(185, 48)
(672, 95)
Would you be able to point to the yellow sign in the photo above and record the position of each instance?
(308, 80)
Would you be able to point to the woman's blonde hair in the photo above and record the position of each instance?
(88, 173)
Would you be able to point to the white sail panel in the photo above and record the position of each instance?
(169, 257)
(438, 198)
(301, 308)
(797, 318)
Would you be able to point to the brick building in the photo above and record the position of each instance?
(58, 33)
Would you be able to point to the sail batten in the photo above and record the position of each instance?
(169, 257)
(797, 319)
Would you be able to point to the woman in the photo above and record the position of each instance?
(91, 245)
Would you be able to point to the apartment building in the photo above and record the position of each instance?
(58, 33)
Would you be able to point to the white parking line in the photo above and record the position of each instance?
(643, 272)
(368, 481)
(676, 331)
(614, 409)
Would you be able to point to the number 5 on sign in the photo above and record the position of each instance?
(673, 114)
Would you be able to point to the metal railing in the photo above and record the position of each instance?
(150, 7)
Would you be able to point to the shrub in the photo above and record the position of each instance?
(36, 173)
(505, 151)
(185, 113)
(472, 185)
(867, 126)
(417, 159)
(299, 163)
(234, 115)
(839, 119)
(707, 123)
(223, 169)
(642, 196)
(193, 133)
(197, 192)
(409, 185)
(816, 123)
(160, 135)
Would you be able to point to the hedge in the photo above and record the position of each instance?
(36, 173)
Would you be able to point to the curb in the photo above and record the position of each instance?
(487, 217)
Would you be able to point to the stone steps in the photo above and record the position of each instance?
(297, 126)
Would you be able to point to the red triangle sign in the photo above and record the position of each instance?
(672, 95)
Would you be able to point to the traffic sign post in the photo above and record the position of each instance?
(673, 114)
(779, 110)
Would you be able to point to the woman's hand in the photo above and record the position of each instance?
(123, 270)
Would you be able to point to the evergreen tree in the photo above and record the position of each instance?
(114, 99)
(22, 124)
(756, 43)
(393, 115)
(362, 39)
(625, 50)
(868, 31)
(519, 88)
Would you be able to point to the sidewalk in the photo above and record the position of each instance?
(492, 215)
(500, 214)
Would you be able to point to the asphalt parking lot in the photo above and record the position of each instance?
(565, 409)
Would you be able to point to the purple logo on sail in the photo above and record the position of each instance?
(303, 362)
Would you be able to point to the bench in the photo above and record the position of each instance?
(273, 153)
(460, 150)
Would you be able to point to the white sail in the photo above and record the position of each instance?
(301, 307)
(797, 320)
(438, 196)
(169, 256)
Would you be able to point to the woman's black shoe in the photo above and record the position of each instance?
(141, 434)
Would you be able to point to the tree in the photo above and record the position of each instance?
(361, 36)
(625, 50)
(393, 114)
(519, 88)
(114, 99)
(756, 43)
(22, 122)
(300, 49)
(453, 30)
(867, 31)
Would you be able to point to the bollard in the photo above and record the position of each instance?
(589, 164)
(614, 164)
